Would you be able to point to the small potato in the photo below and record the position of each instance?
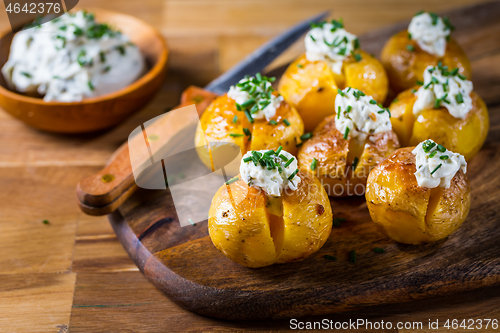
(409, 213)
(311, 87)
(336, 155)
(217, 123)
(405, 61)
(242, 227)
(464, 136)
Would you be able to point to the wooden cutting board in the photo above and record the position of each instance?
(183, 263)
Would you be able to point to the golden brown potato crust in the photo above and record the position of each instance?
(335, 156)
(241, 227)
(405, 67)
(311, 87)
(464, 136)
(409, 213)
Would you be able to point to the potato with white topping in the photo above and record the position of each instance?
(419, 194)
(252, 116)
(273, 213)
(333, 61)
(345, 147)
(427, 42)
(446, 109)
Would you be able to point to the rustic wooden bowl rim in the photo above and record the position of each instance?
(148, 76)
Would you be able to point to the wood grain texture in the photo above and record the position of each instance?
(183, 263)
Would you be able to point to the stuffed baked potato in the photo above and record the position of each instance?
(227, 121)
(414, 214)
(406, 55)
(311, 82)
(342, 156)
(461, 131)
(255, 228)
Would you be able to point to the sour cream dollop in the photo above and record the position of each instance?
(269, 170)
(72, 58)
(359, 115)
(430, 32)
(331, 43)
(444, 88)
(255, 96)
(436, 166)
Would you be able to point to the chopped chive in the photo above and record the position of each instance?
(45, 222)
(434, 17)
(106, 69)
(287, 123)
(28, 75)
(444, 157)
(462, 77)
(420, 83)
(278, 151)
(346, 133)
(248, 159)
(102, 56)
(247, 132)
(352, 256)
(355, 163)
(235, 119)
(409, 35)
(340, 92)
(459, 98)
(91, 86)
(431, 155)
(293, 174)
(428, 145)
(337, 221)
(357, 57)
(338, 112)
(314, 164)
(121, 49)
(287, 164)
(249, 117)
(273, 122)
(329, 257)
(436, 169)
(300, 66)
(235, 135)
(378, 250)
(249, 102)
(305, 136)
(414, 91)
(410, 47)
(349, 108)
(314, 39)
(373, 101)
(283, 157)
(232, 180)
(441, 148)
(454, 72)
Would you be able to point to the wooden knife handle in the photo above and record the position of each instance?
(105, 191)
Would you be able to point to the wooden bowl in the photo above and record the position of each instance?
(100, 112)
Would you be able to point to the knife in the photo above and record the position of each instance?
(105, 191)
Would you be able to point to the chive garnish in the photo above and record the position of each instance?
(45, 222)
(248, 159)
(338, 112)
(273, 122)
(91, 86)
(314, 164)
(462, 77)
(441, 148)
(357, 57)
(431, 155)
(459, 98)
(232, 180)
(314, 39)
(287, 164)
(247, 132)
(235, 135)
(102, 56)
(249, 117)
(444, 157)
(436, 169)
(235, 119)
(340, 92)
(352, 256)
(355, 163)
(420, 83)
(378, 250)
(106, 69)
(349, 108)
(346, 133)
(28, 75)
(373, 101)
(121, 49)
(329, 257)
(305, 136)
(278, 151)
(283, 157)
(300, 66)
(293, 174)
(410, 47)
(287, 123)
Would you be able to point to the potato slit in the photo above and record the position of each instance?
(355, 149)
(434, 199)
(277, 228)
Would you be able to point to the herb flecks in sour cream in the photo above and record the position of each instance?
(431, 32)
(72, 58)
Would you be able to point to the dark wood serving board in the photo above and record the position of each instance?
(183, 263)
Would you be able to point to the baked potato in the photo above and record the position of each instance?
(310, 83)
(463, 135)
(222, 122)
(410, 213)
(255, 229)
(404, 58)
(342, 162)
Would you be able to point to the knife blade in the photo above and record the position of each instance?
(263, 56)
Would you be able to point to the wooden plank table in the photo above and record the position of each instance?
(72, 273)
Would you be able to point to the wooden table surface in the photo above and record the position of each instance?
(73, 274)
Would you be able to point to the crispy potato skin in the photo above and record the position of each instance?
(311, 87)
(409, 213)
(335, 156)
(216, 124)
(464, 136)
(405, 67)
(241, 227)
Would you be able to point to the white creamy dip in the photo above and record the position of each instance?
(273, 180)
(255, 95)
(330, 42)
(359, 115)
(436, 166)
(444, 88)
(71, 58)
(430, 32)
